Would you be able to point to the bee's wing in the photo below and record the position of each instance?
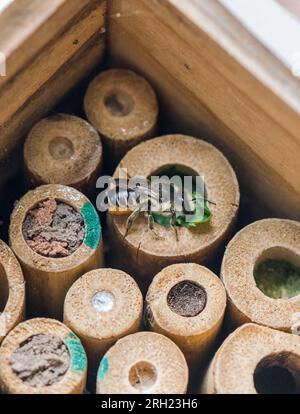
(121, 183)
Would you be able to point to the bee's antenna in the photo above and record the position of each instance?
(206, 199)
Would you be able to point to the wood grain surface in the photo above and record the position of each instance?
(216, 81)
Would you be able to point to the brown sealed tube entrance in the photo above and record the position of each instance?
(187, 299)
(186, 302)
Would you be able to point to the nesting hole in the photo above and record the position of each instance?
(142, 376)
(174, 169)
(103, 301)
(4, 289)
(61, 148)
(178, 170)
(188, 187)
(277, 273)
(187, 299)
(278, 374)
(119, 103)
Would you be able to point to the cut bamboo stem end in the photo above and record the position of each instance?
(269, 239)
(63, 372)
(49, 278)
(143, 363)
(124, 109)
(63, 140)
(142, 253)
(12, 291)
(101, 307)
(255, 360)
(186, 302)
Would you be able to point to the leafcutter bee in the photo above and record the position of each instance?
(142, 195)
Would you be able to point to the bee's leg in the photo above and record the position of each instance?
(151, 225)
(173, 212)
(131, 219)
(173, 222)
(148, 214)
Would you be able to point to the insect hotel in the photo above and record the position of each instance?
(149, 197)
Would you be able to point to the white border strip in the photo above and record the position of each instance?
(273, 25)
(4, 4)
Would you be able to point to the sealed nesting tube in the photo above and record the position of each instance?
(63, 149)
(56, 235)
(101, 307)
(261, 273)
(186, 302)
(42, 356)
(255, 360)
(12, 291)
(123, 107)
(143, 363)
(144, 253)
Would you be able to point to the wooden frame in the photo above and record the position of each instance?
(49, 46)
(217, 80)
(217, 77)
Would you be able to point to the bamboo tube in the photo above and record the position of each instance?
(49, 275)
(123, 107)
(252, 247)
(12, 291)
(144, 362)
(63, 140)
(42, 356)
(186, 302)
(101, 307)
(142, 253)
(255, 360)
